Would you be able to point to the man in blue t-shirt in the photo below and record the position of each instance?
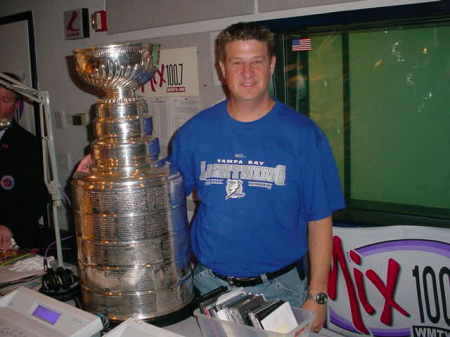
(266, 180)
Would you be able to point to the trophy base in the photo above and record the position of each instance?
(164, 320)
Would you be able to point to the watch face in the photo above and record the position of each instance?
(321, 298)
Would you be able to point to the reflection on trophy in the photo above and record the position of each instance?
(130, 211)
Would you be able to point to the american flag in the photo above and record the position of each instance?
(301, 44)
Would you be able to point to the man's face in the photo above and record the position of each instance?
(247, 69)
(7, 103)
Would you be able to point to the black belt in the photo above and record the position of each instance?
(255, 280)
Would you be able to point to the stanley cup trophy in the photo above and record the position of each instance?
(130, 212)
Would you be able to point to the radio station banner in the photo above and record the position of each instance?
(177, 74)
(390, 282)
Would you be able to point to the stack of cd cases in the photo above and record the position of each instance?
(248, 309)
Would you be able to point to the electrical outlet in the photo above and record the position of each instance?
(80, 119)
(60, 119)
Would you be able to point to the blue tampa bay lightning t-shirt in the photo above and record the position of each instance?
(259, 183)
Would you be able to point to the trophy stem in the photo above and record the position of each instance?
(120, 93)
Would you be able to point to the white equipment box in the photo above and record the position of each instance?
(28, 313)
(136, 328)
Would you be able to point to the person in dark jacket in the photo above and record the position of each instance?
(23, 194)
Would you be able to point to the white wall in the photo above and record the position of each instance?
(52, 50)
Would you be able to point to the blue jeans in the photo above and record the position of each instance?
(287, 287)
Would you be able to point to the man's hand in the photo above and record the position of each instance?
(84, 164)
(320, 311)
(5, 237)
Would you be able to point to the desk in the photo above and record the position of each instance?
(10, 279)
(190, 328)
(187, 328)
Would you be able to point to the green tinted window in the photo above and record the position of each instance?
(382, 96)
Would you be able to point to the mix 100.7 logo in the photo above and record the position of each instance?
(396, 288)
(168, 76)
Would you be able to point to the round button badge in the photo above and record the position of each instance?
(7, 182)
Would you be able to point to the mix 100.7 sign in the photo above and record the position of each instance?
(177, 74)
(390, 282)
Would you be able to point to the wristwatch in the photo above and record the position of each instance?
(319, 298)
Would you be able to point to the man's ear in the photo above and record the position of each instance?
(273, 62)
(18, 108)
(222, 69)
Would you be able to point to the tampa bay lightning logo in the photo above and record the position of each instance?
(234, 189)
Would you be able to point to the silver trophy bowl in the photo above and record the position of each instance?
(130, 212)
(117, 66)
